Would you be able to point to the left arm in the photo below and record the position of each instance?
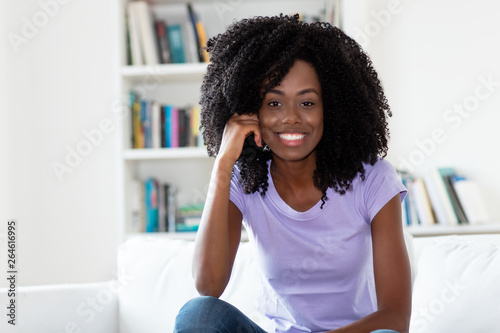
(392, 274)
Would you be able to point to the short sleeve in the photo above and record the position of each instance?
(236, 194)
(382, 183)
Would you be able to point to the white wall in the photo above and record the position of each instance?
(58, 84)
(431, 56)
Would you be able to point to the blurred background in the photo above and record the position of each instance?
(438, 62)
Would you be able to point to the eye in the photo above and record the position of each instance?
(307, 103)
(274, 104)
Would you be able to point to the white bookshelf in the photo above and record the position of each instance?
(188, 168)
(170, 72)
(164, 153)
(440, 230)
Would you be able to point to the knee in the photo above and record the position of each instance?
(198, 314)
(199, 304)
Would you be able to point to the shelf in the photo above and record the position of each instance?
(164, 153)
(439, 230)
(165, 72)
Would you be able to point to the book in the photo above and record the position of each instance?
(168, 125)
(471, 199)
(202, 41)
(422, 203)
(191, 42)
(172, 208)
(136, 206)
(146, 123)
(147, 34)
(162, 208)
(133, 31)
(411, 204)
(155, 125)
(127, 41)
(162, 126)
(448, 174)
(189, 217)
(136, 126)
(440, 199)
(180, 30)
(182, 125)
(163, 43)
(174, 127)
(195, 139)
(151, 207)
(200, 35)
(176, 44)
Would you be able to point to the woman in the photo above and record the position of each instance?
(296, 118)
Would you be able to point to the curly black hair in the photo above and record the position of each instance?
(263, 49)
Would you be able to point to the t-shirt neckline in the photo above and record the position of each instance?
(280, 204)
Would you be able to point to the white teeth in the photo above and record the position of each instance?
(291, 136)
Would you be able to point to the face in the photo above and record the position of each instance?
(291, 116)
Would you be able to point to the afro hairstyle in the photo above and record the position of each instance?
(261, 50)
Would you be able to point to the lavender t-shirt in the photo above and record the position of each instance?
(317, 266)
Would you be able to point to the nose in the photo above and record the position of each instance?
(291, 116)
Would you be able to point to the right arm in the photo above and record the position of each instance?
(219, 234)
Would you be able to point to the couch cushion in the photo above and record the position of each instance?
(456, 286)
(85, 307)
(159, 270)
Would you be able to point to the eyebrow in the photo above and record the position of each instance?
(301, 92)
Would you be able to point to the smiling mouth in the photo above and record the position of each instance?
(291, 136)
(292, 139)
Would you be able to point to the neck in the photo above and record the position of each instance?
(295, 174)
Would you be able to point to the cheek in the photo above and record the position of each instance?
(267, 134)
(266, 122)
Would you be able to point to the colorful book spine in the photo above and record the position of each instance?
(447, 174)
(168, 126)
(174, 126)
(423, 205)
(162, 126)
(155, 125)
(174, 33)
(151, 193)
(163, 43)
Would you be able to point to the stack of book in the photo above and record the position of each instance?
(442, 197)
(164, 35)
(155, 209)
(155, 125)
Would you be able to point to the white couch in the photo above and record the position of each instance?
(456, 288)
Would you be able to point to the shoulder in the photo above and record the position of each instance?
(381, 183)
(381, 168)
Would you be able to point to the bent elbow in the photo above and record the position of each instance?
(209, 289)
(208, 286)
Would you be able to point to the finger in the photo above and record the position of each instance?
(258, 137)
